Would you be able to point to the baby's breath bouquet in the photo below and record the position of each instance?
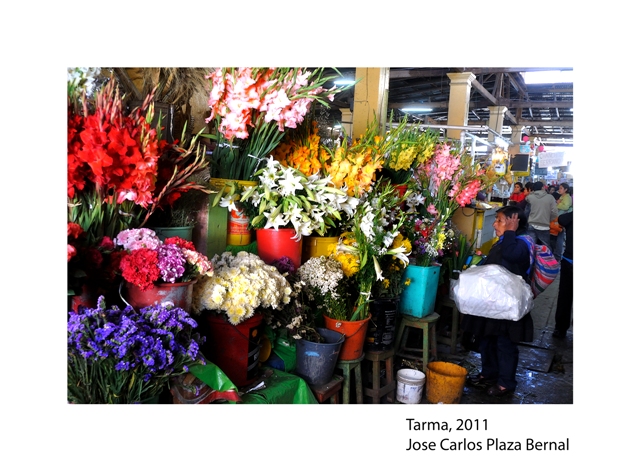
(373, 230)
(326, 287)
(241, 284)
(294, 319)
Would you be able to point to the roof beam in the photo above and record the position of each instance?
(507, 103)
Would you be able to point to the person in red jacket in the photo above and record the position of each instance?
(518, 192)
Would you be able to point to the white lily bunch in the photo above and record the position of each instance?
(373, 229)
(287, 198)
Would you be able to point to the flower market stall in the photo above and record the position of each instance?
(336, 237)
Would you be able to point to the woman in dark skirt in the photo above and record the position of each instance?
(498, 339)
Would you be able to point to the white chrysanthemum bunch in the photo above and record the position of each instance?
(241, 283)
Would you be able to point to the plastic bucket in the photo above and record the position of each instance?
(315, 362)
(410, 386)
(184, 232)
(180, 294)
(419, 298)
(235, 349)
(274, 244)
(445, 382)
(382, 326)
(237, 223)
(355, 333)
(316, 246)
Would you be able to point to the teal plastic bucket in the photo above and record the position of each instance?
(419, 298)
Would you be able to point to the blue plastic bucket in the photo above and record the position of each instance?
(315, 362)
(419, 298)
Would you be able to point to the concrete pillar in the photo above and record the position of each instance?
(370, 99)
(347, 121)
(459, 93)
(516, 138)
(496, 118)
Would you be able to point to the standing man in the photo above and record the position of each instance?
(564, 307)
(543, 211)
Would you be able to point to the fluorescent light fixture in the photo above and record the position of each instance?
(549, 76)
(344, 81)
(416, 109)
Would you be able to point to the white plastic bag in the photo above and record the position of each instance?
(492, 291)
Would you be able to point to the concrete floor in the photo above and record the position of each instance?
(545, 369)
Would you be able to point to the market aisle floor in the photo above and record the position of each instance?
(545, 369)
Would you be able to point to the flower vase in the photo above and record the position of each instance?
(418, 299)
(315, 246)
(180, 294)
(355, 334)
(276, 243)
(235, 349)
(86, 298)
(382, 326)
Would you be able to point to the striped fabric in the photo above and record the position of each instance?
(544, 264)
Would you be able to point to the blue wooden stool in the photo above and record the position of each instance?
(346, 366)
(428, 327)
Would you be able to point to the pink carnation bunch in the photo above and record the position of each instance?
(147, 260)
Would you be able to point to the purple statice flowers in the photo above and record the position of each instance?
(113, 349)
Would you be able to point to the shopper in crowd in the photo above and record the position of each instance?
(543, 211)
(497, 339)
(524, 205)
(565, 289)
(518, 192)
(564, 203)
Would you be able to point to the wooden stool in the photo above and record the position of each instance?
(428, 326)
(376, 357)
(346, 366)
(455, 322)
(329, 391)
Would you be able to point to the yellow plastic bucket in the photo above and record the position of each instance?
(445, 382)
(315, 246)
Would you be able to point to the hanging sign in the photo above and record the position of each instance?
(526, 148)
(550, 159)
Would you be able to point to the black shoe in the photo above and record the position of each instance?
(557, 334)
(479, 380)
(496, 391)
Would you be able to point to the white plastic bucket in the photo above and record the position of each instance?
(410, 386)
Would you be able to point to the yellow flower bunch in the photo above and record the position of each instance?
(349, 261)
(356, 165)
(401, 241)
(300, 149)
(411, 148)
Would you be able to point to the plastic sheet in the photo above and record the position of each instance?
(494, 292)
